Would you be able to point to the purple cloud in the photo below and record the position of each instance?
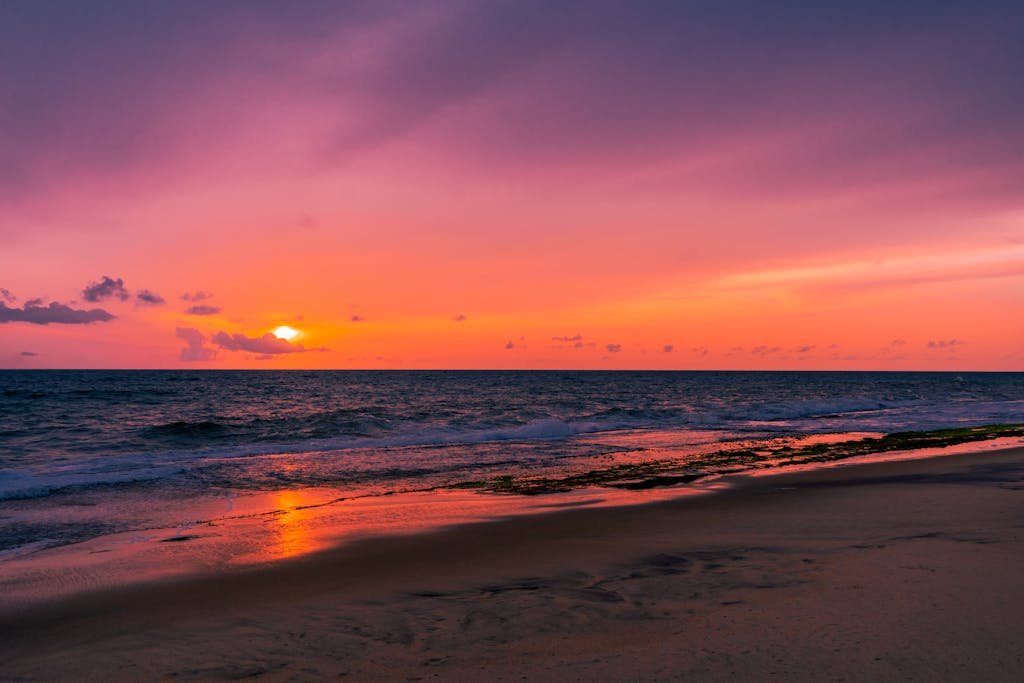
(268, 344)
(7, 296)
(148, 298)
(203, 309)
(199, 295)
(668, 348)
(357, 319)
(34, 312)
(196, 349)
(460, 318)
(106, 288)
(28, 354)
(510, 345)
(613, 348)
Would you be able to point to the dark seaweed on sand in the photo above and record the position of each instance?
(671, 472)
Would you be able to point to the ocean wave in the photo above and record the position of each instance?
(60, 446)
(185, 428)
(18, 485)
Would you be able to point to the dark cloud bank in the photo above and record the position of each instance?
(36, 313)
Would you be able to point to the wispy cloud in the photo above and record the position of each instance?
(764, 350)
(848, 277)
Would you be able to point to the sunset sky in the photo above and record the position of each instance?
(470, 184)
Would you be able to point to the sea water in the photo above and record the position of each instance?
(87, 454)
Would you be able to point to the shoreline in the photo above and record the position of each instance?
(530, 561)
(312, 522)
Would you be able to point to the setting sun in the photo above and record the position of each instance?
(285, 332)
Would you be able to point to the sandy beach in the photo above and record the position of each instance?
(896, 570)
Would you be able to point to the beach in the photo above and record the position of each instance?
(891, 570)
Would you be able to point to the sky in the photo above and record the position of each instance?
(477, 184)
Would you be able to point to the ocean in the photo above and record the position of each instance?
(88, 454)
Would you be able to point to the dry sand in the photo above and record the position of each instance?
(891, 571)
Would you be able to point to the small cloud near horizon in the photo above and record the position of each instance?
(613, 348)
(149, 298)
(357, 319)
(509, 345)
(196, 349)
(460, 318)
(268, 344)
(106, 288)
(198, 295)
(945, 343)
(28, 354)
(762, 350)
(203, 309)
(576, 340)
(668, 348)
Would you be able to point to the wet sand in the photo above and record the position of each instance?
(896, 570)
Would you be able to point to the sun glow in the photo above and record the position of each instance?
(285, 332)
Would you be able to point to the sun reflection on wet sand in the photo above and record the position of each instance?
(291, 525)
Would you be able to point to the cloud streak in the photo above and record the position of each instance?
(203, 309)
(945, 343)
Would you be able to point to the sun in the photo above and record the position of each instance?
(285, 332)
